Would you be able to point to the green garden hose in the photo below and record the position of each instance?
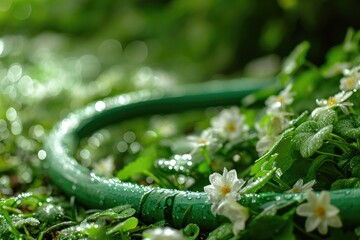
(153, 204)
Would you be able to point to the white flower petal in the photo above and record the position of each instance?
(231, 176)
(323, 227)
(331, 211)
(216, 179)
(305, 210)
(308, 186)
(335, 221)
(299, 183)
(312, 223)
(324, 198)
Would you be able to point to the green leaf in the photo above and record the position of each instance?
(116, 213)
(314, 167)
(21, 222)
(355, 166)
(346, 183)
(309, 137)
(300, 119)
(191, 231)
(49, 212)
(325, 118)
(295, 60)
(348, 127)
(223, 232)
(140, 165)
(260, 180)
(283, 160)
(286, 232)
(124, 226)
(264, 227)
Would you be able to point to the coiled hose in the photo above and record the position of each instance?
(153, 204)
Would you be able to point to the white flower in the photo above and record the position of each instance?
(230, 124)
(319, 212)
(300, 187)
(207, 139)
(278, 103)
(237, 214)
(166, 233)
(105, 166)
(221, 186)
(351, 80)
(338, 100)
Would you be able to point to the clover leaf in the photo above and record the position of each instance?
(309, 137)
(348, 126)
(325, 117)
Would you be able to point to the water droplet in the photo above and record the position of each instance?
(73, 187)
(42, 154)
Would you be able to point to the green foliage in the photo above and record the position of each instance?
(191, 231)
(310, 135)
(346, 183)
(294, 61)
(281, 159)
(140, 165)
(269, 226)
(222, 232)
(52, 64)
(348, 127)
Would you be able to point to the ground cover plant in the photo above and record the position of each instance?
(300, 137)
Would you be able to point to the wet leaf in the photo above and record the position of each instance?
(309, 137)
(346, 183)
(282, 148)
(21, 222)
(348, 127)
(124, 226)
(300, 119)
(355, 166)
(116, 213)
(191, 231)
(223, 232)
(49, 212)
(325, 118)
(140, 165)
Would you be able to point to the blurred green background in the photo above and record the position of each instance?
(56, 56)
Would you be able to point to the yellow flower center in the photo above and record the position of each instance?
(296, 190)
(230, 127)
(202, 141)
(350, 82)
(331, 101)
(320, 211)
(225, 190)
(281, 99)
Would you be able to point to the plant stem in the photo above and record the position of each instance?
(10, 223)
(206, 155)
(339, 143)
(328, 154)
